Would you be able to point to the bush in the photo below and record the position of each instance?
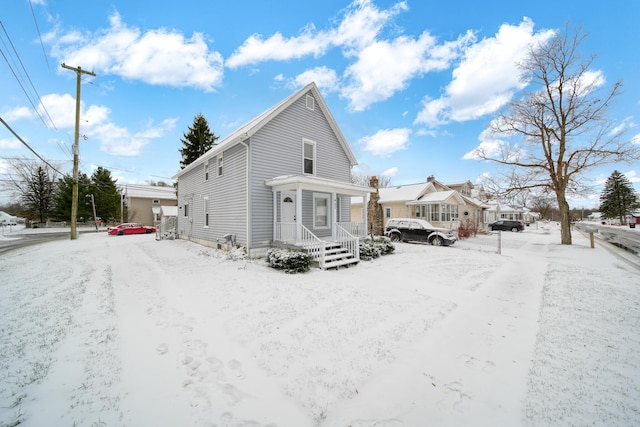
(374, 248)
(289, 261)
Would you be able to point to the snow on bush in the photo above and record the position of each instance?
(374, 248)
(288, 260)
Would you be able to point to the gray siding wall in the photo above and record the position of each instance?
(227, 199)
(277, 150)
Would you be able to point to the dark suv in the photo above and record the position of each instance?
(506, 225)
(419, 230)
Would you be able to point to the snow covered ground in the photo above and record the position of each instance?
(130, 331)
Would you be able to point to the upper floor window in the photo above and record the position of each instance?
(220, 164)
(206, 171)
(156, 201)
(309, 157)
(186, 210)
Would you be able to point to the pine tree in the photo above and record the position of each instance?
(106, 194)
(197, 141)
(618, 199)
(62, 198)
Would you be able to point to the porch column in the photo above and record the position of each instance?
(298, 213)
(275, 216)
(365, 215)
(334, 216)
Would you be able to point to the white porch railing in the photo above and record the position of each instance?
(167, 228)
(299, 235)
(357, 229)
(348, 241)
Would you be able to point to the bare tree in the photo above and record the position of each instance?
(364, 180)
(561, 124)
(34, 184)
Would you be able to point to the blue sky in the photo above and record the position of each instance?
(412, 84)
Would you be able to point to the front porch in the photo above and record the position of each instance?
(314, 214)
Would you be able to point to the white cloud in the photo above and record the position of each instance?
(489, 147)
(386, 141)
(391, 172)
(385, 67)
(325, 78)
(10, 144)
(487, 77)
(18, 113)
(360, 26)
(146, 56)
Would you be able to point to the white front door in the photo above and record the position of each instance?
(288, 217)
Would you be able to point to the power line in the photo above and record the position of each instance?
(28, 146)
(28, 78)
(39, 36)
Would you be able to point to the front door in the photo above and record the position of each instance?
(288, 217)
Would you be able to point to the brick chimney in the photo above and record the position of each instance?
(374, 210)
(430, 178)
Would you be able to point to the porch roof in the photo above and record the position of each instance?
(306, 182)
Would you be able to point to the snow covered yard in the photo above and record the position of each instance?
(129, 331)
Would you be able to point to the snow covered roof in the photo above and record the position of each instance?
(169, 210)
(150, 192)
(403, 193)
(437, 197)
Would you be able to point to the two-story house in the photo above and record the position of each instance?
(283, 177)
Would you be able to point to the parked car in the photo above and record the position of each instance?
(419, 230)
(130, 228)
(506, 225)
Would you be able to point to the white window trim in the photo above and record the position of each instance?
(220, 165)
(185, 210)
(327, 197)
(206, 170)
(387, 213)
(207, 217)
(312, 143)
(155, 201)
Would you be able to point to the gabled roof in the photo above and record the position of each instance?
(150, 192)
(403, 193)
(438, 197)
(250, 128)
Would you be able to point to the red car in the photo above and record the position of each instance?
(130, 228)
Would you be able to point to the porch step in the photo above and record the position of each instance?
(337, 256)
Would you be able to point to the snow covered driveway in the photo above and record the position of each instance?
(129, 331)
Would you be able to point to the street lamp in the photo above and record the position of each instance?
(93, 203)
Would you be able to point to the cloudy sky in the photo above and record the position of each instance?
(412, 84)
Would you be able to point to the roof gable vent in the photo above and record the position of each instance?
(310, 102)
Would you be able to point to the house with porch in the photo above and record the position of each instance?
(283, 178)
(431, 200)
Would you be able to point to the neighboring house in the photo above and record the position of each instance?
(282, 178)
(430, 200)
(6, 219)
(496, 211)
(144, 202)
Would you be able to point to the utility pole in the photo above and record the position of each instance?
(93, 203)
(76, 148)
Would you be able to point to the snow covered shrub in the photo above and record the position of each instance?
(374, 248)
(288, 260)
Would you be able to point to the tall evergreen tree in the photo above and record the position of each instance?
(197, 141)
(618, 199)
(61, 210)
(39, 199)
(106, 194)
